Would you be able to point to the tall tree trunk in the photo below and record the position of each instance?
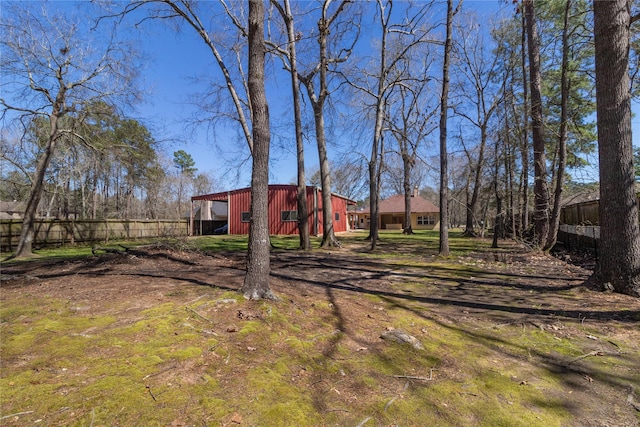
(317, 102)
(375, 164)
(303, 210)
(328, 235)
(554, 221)
(256, 280)
(509, 167)
(618, 265)
(375, 160)
(406, 184)
(373, 202)
(524, 146)
(444, 106)
(540, 189)
(499, 220)
(498, 226)
(25, 245)
(472, 204)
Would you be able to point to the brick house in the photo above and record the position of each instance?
(424, 214)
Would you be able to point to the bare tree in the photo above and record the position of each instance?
(398, 41)
(554, 219)
(498, 227)
(347, 176)
(476, 70)
(618, 266)
(231, 100)
(256, 281)
(410, 126)
(315, 80)
(292, 65)
(509, 39)
(58, 68)
(524, 144)
(443, 248)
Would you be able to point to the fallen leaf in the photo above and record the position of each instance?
(236, 418)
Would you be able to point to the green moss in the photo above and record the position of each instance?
(299, 346)
(179, 353)
(542, 342)
(214, 408)
(366, 381)
(17, 341)
(277, 402)
(159, 310)
(371, 297)
(250, 327)
(229, 295)
(288, 413)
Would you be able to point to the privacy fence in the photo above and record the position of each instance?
(60, 232)
(580, 226)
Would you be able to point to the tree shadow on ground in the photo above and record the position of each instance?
(492, 293)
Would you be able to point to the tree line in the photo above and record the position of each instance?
(500, 114)
(109, 167)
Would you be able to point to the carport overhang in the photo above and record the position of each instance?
(213, 197)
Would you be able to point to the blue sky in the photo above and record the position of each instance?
(174, 59)
(177, 58)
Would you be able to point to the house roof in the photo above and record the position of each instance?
(395, 204)
(12, 207)
(582, 197)
(11, 210)
(588, 196)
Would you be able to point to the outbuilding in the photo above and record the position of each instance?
(283, 210)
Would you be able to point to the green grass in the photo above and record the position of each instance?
(392, 242)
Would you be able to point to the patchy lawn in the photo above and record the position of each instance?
(160, 336)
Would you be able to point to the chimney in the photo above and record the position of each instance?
(415, 191)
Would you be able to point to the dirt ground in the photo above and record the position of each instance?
(486, 296)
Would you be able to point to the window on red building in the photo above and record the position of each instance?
(289, 216)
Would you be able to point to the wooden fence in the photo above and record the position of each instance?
(59, 232)
(580, 226)
(584, 213)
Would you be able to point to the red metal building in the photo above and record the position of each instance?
(283, 209)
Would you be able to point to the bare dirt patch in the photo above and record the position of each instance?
(510, 338)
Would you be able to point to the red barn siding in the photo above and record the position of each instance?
(311, 194)
(281, 198)
(339, 206)
(239, 201)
